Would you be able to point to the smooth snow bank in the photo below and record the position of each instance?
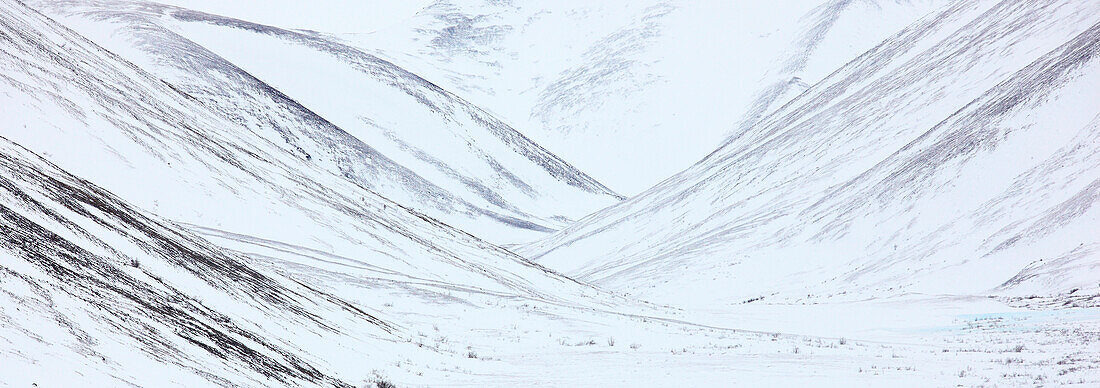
(319, 15)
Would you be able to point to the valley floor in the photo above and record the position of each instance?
(189, 199)
(891, 343)
(480, 339)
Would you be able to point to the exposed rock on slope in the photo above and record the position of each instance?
(634, 91)
(352, 114)
(948, 159)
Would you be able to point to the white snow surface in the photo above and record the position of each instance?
(956, 157)
(890, 193)
(634, 91)
(352, 114)
(318, 15)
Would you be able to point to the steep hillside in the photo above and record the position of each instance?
(635, 91)
(109, 294)
(105, 120)
(318, 15)
(351, 114)
(164, 228)
(96, 290)
(957, 157)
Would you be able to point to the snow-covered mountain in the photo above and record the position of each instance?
(898, 193)
(353, 114)
(959, 156)
(132, 294)
(96, 289)
(105, 120)
(635, 91)
(319, 15)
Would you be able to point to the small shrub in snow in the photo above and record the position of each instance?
(383, 384)
(379, 381)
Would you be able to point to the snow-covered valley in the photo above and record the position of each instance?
(814, 192)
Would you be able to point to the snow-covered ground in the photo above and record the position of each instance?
(633, 91)
(894, 193)
(318, 15)
(353, 114)
(957, 157)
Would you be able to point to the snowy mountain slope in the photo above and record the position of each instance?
(96, 292)
(113, 295)
(956, 157)
(103, 119)
(353, 114)
(201, 251)
(635, 91)
(321, 15)
(95, 289)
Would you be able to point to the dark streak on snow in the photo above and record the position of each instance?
(98, 280)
